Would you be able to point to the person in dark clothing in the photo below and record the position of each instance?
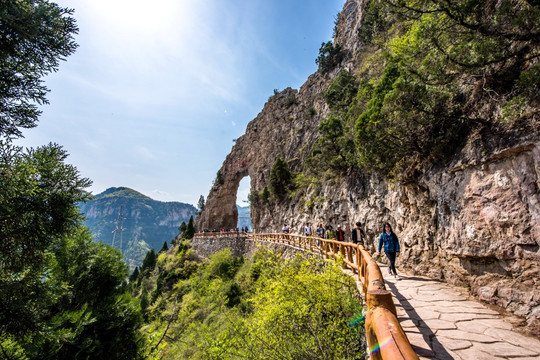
(389, 240)
(358, 234)
(340, 234)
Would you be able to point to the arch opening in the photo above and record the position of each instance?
(242, 203)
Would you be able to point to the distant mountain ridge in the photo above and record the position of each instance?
(244, 217)
(147, 223)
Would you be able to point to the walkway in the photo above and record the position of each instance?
(442, 322)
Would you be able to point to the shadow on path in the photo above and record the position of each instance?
(437, 350)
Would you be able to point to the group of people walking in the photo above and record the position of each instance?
(388, 240)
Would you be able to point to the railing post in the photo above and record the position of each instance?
(358, 262)
(350, 258)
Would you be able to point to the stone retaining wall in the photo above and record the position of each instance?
(240, 245)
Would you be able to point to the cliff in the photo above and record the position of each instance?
(471, 218)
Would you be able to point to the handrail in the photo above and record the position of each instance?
(219, 233)
(385, 336)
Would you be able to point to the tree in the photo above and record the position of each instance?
(149, 262)
(37, 208)
(94, 316)
(341, 92)
(280, 178)
(219, 178)
(201, 204)
(35, 36)
(182, 227)
(190, 229)
(134, 275)
(303, 307)
(265, 194)
(164, 248)
(329, 56)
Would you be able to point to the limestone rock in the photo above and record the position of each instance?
(474, 222)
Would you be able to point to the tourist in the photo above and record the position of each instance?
(330, 233)
(389, 240)
(285, 229)
(307, 230)
(340, 234)
(320, 231)
(358, 234)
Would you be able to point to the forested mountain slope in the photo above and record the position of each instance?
(148, 223)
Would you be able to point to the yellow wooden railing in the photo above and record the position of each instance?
(385, 336)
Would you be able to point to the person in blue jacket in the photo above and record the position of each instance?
(389, 240)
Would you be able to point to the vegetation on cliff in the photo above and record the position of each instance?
(236, 308)
(429, 73)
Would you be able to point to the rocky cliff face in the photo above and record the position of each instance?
(474, 222)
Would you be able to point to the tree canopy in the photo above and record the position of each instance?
(35, 35)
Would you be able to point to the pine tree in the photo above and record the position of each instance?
(164, 248)
(190, 229)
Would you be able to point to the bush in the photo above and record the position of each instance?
(329, 56)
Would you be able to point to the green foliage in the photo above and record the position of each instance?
(291, 100)
(236, 309)
(303, 308)
(182, 227)
(341, 92)
(329, 56)
(254, 198)
(438, 69)
(149, 262)
(219, 178)
(222, 265)
(265, 196)
(374, 21)
(335, 149)
(190, 229)
(164, 248)
(35, 36)
(201, 204)
(94, 315)
(37, 207)
(280, 178)
(134, 275)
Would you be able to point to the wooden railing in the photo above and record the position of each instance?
(385, 336)
(219, 233)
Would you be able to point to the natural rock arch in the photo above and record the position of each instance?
(285, 128)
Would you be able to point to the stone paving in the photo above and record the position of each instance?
(443, 322)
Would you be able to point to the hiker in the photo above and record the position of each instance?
(358, 234)
(330, 233)
(285, 229)
(307, 230)
(320, 231)
(340, 234)
(391, 248)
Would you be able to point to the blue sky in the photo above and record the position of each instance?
(157, 91)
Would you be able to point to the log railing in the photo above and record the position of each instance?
(385, 336)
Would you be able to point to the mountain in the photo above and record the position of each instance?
(147, 223)
(422, 115)
(244, 217)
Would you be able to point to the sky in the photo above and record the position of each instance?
(157, 91)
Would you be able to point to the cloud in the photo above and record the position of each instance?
(233, 123)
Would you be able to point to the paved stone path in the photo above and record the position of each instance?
(443, 322)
